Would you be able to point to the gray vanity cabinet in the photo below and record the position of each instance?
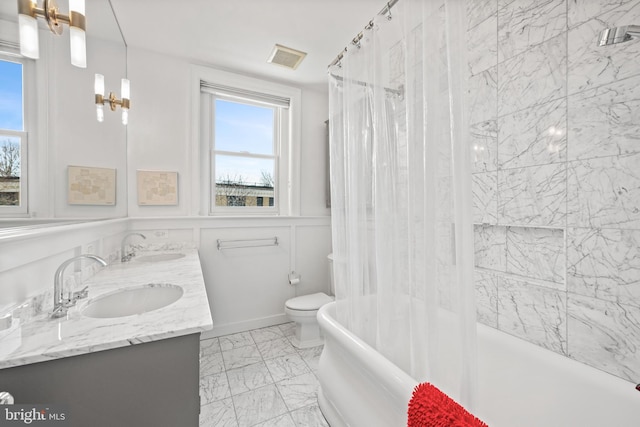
(153, 384)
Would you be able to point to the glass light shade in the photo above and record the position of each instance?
(78, 47)
(125, 89)
(100, 112)
(76, 6)
(125, 116)
(99, 84)
(28, 28)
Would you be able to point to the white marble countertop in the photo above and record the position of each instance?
(42, 338)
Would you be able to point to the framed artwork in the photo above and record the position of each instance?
(157, 188)
(91, 186)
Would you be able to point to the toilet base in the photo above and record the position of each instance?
(307, 334)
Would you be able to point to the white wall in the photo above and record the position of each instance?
(159, 133)
(75, 137)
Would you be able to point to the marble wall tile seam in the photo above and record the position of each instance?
(564, 34)
(529, 107)
(605, 335)
(579, 12)
(603, 192)
(525, 225)
(528, 24)
(534, 76)
(615, 301)
(539, 283)
(534, 136)
(590, 64)
(490, 15)
(599, 86)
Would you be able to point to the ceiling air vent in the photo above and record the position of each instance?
(286, 57)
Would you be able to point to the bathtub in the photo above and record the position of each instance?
(519, 384)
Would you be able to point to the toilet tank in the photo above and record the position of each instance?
(332, 287)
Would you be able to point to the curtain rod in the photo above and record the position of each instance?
(386, 9)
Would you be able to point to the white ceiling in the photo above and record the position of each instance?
(233, 34)
(239, 34)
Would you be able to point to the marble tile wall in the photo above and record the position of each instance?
(555, 143)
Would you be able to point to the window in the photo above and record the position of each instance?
(13, 137)
(248, 136)
(245, 152)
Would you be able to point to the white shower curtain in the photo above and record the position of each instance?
(401, 193)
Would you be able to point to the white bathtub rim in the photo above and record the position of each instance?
(399, 383)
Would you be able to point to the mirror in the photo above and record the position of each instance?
(62, 128)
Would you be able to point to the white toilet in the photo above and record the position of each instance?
(303, 310)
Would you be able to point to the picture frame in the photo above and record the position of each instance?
(87, 185)
(157, 188)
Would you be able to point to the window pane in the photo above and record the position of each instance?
(243, 181)
(9, 170)
(11, 108)
(243, 127)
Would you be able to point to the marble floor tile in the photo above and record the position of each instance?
(209, 347)
(275, 348)
(258, 405)
(249, 377)
(281, 421)
(214, 387)
(299, 391)
(239, 357)
(267, 334)
(311, 356)
(258, 379)
(211, 364)
(309, 416)
(242, 339)
(287, 366)
(218, 414)
(288, 329)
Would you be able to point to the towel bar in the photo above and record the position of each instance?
(247, 243)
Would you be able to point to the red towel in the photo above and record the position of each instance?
(429, 407)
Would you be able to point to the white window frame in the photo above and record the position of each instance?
(278, 140)
(287, 168)
(28, 105)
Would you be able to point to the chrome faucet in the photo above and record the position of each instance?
(60, 303)
(127, 256)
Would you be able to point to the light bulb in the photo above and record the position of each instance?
(100, 112)
(77, 37)
(125, 89)
(125, 116)
(99, 84)
(28, 29)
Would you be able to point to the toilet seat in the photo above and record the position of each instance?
(310, 302)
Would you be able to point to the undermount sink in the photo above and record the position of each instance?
(127, 302)
(159, 257)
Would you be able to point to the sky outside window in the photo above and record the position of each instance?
(243, 128)
(11, 107)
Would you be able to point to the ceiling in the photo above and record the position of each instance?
(239, 35)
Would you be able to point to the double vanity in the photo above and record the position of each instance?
(127, 354)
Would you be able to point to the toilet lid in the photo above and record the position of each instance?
(308, 302)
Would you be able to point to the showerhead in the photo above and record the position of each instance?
(618, 35)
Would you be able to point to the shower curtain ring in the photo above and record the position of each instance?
(389, 17)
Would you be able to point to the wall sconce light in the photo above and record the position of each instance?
(28, 12)
(124, 103)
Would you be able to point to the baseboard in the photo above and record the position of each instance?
(247, 325)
